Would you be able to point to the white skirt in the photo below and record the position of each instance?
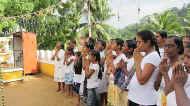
(59, 74)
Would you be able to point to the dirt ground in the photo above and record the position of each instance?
(36, 90)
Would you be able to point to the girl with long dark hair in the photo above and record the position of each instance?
(93, 77)
(141, 87)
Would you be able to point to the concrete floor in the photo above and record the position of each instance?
(36, 90)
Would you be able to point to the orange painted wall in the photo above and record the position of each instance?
(29, 52)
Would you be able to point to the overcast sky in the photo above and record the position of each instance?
(127, 9)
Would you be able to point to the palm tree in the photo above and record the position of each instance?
(99, 12)
(186, 20)
(166, 21)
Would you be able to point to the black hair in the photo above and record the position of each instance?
(96, 54)
(163, 34)
(119, 42)
(103, 43)
(146, 36)
(70, 50)
(90, 43)
(73, 41)
(78, 64)
(62, 46)
(89, 46)
(92, 40)
(178, 42)
(78, 54)
(131, 45)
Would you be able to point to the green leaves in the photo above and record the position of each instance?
(51, 28)
(100, 12)
(171, 21)
(15, 7)
(62, 28)
(166, 21)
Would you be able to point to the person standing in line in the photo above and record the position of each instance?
(161, 37)
(87, 47)
(58, 58)
(180, 82)
(92, 76)
(78, 75)
(69, 70)
(173, 49)
(128, 49)
(141, 88)
(103, 87)
(119, 62)
(109, 57)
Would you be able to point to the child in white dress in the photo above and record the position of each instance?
(58, 58)
(78, 75)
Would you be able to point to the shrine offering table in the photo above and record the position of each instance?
(14, 74)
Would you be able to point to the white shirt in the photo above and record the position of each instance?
(79, 78)
(119, 58)
(75, 49)
(103, 84)
(60, 55)
(102, 54)
(70, 67)
(93, 81)
(171, 98)
(145, 94)
(143, 53)
(161, 52)
(130, 63)
(114, 53)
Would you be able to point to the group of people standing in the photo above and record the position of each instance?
(143, 67)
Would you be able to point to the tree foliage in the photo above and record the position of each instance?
(175, 21)
(64, 21)
(100, 12)
(61, 24)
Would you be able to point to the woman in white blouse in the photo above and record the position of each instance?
(141, 87)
